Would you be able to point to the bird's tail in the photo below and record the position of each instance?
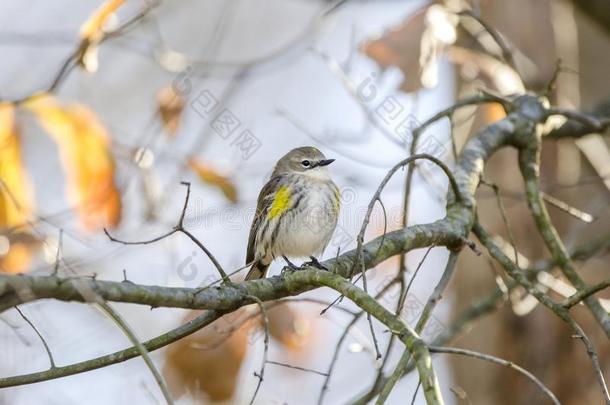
(258, 270)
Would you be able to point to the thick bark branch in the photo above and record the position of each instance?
(573, 128)
(17, 289)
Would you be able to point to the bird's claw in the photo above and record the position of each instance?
(315, 263)
(289, 266)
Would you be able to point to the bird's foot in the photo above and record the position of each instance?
(290, 266)
(315, 263)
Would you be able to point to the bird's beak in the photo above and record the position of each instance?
(325, 162)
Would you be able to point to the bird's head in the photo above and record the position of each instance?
(305, 160)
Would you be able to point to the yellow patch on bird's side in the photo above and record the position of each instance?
(337, 200)
(281, 202)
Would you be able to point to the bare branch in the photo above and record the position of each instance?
(497, 360)
(42, 339)
(131, 335)
(507, 53)
(581, 295)
(576, 128)
(529, 158)
(179, 228)
(261, 374)
(307, 370)
(559, 310)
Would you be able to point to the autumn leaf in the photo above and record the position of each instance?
(290, 328)
(416, 45)
(494, 74)
(170, 108)
(209, 361)
(84, 148)
(92, 33)
(400, 47)
(15, 197)
(209, 175)
(14, 202)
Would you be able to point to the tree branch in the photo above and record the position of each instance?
(575, 128)
(497, 360)
(529, 162)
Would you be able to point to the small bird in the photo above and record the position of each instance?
(296, 213)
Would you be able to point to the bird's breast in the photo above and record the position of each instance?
(309, 226)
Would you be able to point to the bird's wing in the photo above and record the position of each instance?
(263, 205)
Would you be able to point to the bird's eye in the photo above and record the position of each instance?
(306, 163)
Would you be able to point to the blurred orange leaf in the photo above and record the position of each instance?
(84, 147)
(401, 47)
(416, 45)
(211, 176)
(210, 359)
(14, 202)
(92, 33)
(493, 73)
(15, 195)
(290, 328)
(171, 105)
(17, 259)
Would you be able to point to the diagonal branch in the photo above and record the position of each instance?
(529, 162)
(497, 360)
(517, 275)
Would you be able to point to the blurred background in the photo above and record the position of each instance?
(106, 107)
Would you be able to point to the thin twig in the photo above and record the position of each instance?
(71, 61)
(497, 360)
(465, 102)
(453, 140)
(504, 215)
(179, 228)
(419, 266)
(261, 374)
(15, 329)
(140, 242)
(42, 339)
(307, 370)
(507, 54)
(415, 392)
(382, 185)
(565, 207)
(581, 295)
(131, 335)
(58, 253)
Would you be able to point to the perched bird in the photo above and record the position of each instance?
(296, 213)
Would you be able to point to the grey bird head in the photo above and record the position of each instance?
(305, 160)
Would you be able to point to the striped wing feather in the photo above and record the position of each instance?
(262, 209)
